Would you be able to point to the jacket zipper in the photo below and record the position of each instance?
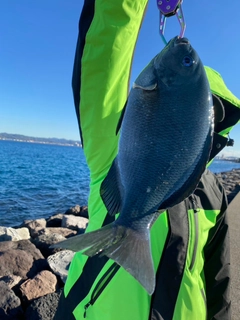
(101, 285)
(195, 215)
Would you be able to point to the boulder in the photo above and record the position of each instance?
(44, 241)
(78, 211)
(15, 262)
(11, 234)
(84, 212)
(20, 258)
(34, 226)
(74, 210)
(65, 232)
(75, 223)
(43, 308)
(23, 233)
(8, 234)
(60, 262)
(10, 304)
(55, 221)
(43, 283)
(11, 280)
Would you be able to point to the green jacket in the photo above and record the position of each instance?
(192, 267)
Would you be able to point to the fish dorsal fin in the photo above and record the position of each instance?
(147, 79)
(121, 118)
(111, 190)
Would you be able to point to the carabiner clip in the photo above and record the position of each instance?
(167, 9)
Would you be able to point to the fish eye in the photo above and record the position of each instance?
(187, 61)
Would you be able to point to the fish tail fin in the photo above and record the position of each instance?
(129, 248)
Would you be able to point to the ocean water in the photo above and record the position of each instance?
(37, 180)
(219, 165)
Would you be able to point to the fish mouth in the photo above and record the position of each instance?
(181, 41)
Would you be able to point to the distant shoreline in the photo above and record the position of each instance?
(42, 142)
(48, 141)
(236, 160)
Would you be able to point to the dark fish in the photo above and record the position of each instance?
(165, 141)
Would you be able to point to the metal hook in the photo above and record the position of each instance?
(167, 9)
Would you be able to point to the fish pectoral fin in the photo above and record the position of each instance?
(219, 111)
(111, 190)
(125, 246)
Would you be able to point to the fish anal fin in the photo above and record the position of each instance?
(111, 190)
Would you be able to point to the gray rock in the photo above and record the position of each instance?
(20, 258)
(10, 304)
(84, 212)
(78, 211)
(74, 210)
(34, 226)
(23, 233)
(65, 232)
(11, 280)
(55, 221)
(15, 262)
(43, 308)
(73, 222)
(44, 241)
(43, 283)
(9, 234)
(60, 262)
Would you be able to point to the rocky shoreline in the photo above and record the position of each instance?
(231, 182)
(32, 275)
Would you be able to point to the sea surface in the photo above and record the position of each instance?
(39, 180)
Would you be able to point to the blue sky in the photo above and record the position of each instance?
(37, 45)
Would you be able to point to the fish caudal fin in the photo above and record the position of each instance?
(129, 248)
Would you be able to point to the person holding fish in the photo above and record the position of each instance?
(157, 245)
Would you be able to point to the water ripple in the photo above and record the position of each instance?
(40, 180)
